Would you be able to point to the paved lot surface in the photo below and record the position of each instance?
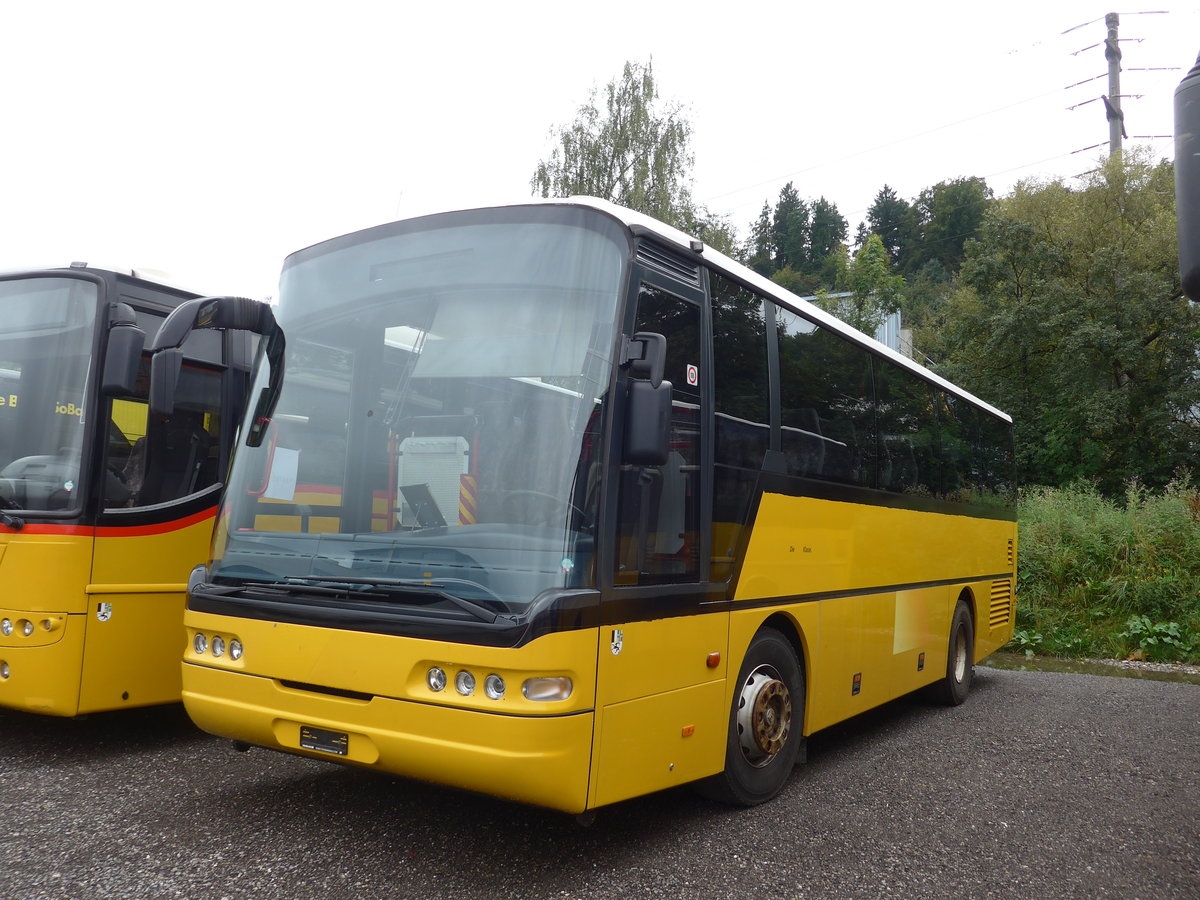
(1041, 785)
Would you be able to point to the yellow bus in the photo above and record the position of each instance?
(555, 503)
(103, 511)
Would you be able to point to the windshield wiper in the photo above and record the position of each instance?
(16, 523)
(391, 587)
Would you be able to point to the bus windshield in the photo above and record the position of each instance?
(47, 328)
(438, 423)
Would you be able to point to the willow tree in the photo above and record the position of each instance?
(628, 147)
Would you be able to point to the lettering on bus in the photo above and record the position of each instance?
(8, 399)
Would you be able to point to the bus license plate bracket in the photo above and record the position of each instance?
(324, 741)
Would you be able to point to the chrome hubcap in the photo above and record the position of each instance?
(764, 716)
(960, 656)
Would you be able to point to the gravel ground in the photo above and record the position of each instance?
(1040, 785)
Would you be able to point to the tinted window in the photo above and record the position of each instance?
(826, 408)
(908, 433)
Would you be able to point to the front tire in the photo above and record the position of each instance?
(953, 689)
(765, 724)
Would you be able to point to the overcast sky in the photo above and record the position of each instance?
(209, 140)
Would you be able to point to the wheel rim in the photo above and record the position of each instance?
(764, 716)
(960, 656)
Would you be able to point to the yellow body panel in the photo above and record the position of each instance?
(805, 546)
(115, 604)
(535, 752)
(661, 716)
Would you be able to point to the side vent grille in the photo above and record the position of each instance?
(1000, 607)
(668, 263)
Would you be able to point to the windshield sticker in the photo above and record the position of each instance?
(285, 464)
(104, 611)
(618, 640)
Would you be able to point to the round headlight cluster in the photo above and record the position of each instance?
(464, 682)
(217, 645)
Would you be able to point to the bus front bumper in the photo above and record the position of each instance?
(541, 760)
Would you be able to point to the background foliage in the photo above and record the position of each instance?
(1105, 577)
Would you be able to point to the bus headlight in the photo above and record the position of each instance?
(218, 645)
(493, 686)
(235, 649)
(200, 644)
(436, 679)
(26, 627)
(6, 627)
(547, 688)
(464, 683)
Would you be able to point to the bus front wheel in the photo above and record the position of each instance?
(765, 724)
(953, 689)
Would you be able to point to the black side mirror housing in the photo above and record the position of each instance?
(124, 352)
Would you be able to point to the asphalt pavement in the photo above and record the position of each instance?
(1041, 785)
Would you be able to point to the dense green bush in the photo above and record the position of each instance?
(1110, 578)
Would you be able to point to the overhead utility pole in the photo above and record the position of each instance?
(1112, 103)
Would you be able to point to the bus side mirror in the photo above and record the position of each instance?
(648, 423)
(164, 377)
(1187, 179)
(238, 313)
(648, 412)
(121, 358)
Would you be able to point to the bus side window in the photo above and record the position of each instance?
(826, 416)
(658, 509)
(149, 462)
(742, 420)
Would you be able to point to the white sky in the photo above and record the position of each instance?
(208, 140)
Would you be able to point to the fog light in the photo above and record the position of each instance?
(26, 627)
(6, 627)
(464, 683)
(546, 689)
(4, 670)
(436, 679)
(200, 644)
(493, 686)
(218, 645)
(47, 625)
(235, 649)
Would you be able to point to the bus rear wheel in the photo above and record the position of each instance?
(765, 724)
(953, 689)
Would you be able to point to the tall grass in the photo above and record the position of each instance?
(1110, 578)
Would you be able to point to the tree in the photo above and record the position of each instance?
(874, 291)
(947, 216)
(635, 152)
(827, 232)
(1071, 318)
(790, 229)
(759, 249)
(892, 219)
